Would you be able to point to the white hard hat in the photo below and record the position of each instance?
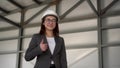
(50, 12)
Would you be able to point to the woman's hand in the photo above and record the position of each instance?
(43, 46)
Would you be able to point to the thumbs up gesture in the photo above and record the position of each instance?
(43, 46)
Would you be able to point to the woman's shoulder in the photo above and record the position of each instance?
(60, 37)
(36, 35)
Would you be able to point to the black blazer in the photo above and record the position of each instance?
(44, 58)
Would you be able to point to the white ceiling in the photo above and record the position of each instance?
(82, 10)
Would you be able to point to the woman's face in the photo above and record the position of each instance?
(50, 23)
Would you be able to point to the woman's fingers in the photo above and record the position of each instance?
(42, 41)
(43, 45)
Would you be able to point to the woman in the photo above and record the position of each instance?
(47, 45)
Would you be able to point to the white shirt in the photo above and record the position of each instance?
(51, 43)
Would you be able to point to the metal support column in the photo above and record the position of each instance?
(99, 24)
(20, 40)
(58, 8)
(19, 48)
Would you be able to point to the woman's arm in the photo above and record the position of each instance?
(63, 55)
(33, 49)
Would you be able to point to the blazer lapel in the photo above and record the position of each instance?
(45, 41)
(57, 46)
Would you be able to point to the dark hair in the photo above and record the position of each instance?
(55, 30)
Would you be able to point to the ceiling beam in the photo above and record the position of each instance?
(4, 10)
(37, 2)
(92, 7)
(111, 27)
(65, 32)
(8, 28)
(72, 8)
(109, 6)
(16, 4)
(30, 19)
(26, 8)
(110, 14)
(10, 21)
